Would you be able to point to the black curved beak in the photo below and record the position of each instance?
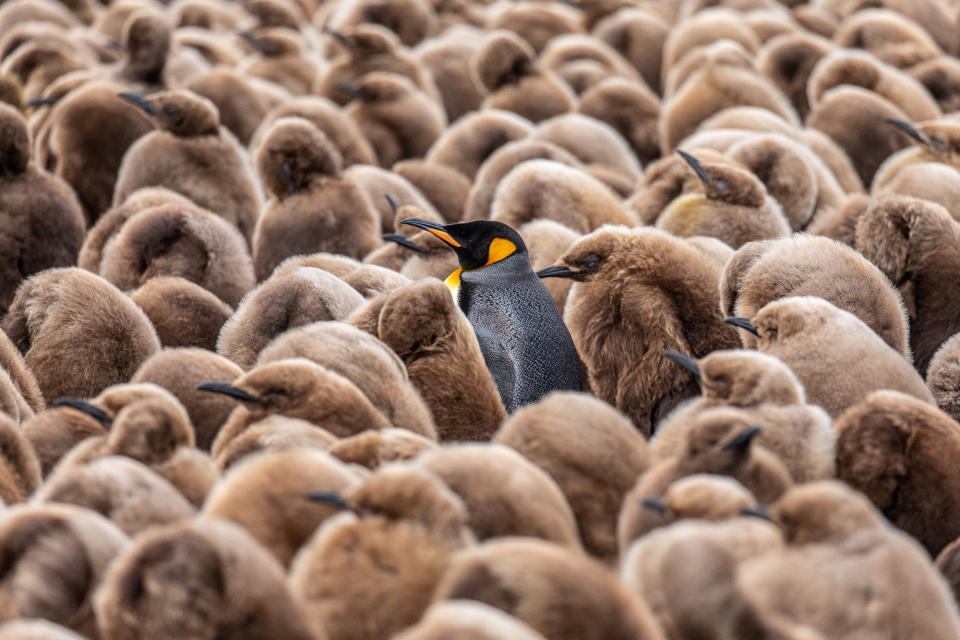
(556, 272)
(684, 361)
(330, 499)
(85, 407)
(907, 128)
(654, 504)
(435, 228)
(228, 389)
(393, 203)
(40, 102)
(139, 101)
(758, 511)
(743, 439)
(348, 88)
(742, 323)
(695, 165)
(339, 37)
(403, 241)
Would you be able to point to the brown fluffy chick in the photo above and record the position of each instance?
(183, 241)
(19, 465)
(412, 20)
(913, 242)
(893, 448)
(125, 491)
(148, 424)
(54, 432)
(378, 183)
(371, 449)
(36, 630)
(368, 363)
(558, 592)
(54, 557)
(941, 77)
(183, 313)
(196, 580)
(447, 57)
(369, 280)
(640, 292)
(806, 265)
(398, 119)
(631, 109)
(836, 356)
(499, 487)
(272, 434)
(282, 58)
(464, 620)
(371, 573)
(544, 189)
(179, 371)
(77, 332)
(27, 400)
(592, 451)
(266, 495)
(665, 180)
(546, 241)
(191, 154)
(445, 188)
(469, 141)
(41, 208)
(506, 67)
(314, 208)
(298, 297)
(761, 390)
(423, 325)
(847, 574)
(788, 60)
(888, 35)
(297, 388)
(734, 207)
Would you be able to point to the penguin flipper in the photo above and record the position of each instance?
(496, 355)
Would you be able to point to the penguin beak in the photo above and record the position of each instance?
(330, 499)
(339, 37)
(743, 323)
(757, 512)
(654, 504)
(85, 407)
(435, 228)
(403, 241)
(556, 272)
(349, 89)
(393, 203)
(743, 439)
(139, 101)
(684, 361)
(39, 102)
(227, 389)
(908, 129)
(695, 165)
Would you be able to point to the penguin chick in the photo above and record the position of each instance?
(179, 371)
(202, 578)
(384, 559)
(293, 299)
(499, 487)
(631, 109)
(463, 619)
(374, 448)
(399, 120)
(734, 207)
(525, 345)
(893, 448)
(838, 580)
(805, 265)
(593, 476)
(191, 154)
(183, 313)
(547, 241)
(938, 142)
(788, 60)
(55, 556)
(378, 183)
(297, 388)
(22, 381)
(544, 189)
(665, 180)
(888, 35)
(941, 77)
(37, 630)
(120, 489)
(469, 141)
(172, 240)
(54, 432)
(704, 28)
(582, 60)
(606, 155)
(911, 241)
(686, 573)
(447, 58)
(41, 209)
(368, 280)
(314, 207)
(421, 255)
(641, 285)
(837, 357)
(241, 106)
(445, 188)
(273, 434)
(412, 20)
(77, 332)
(265, 494)
(723, 53)
(720, 442)
(146, 50)
(365, 361)
(559, 593)
(423, 325)
(281, 58)
(19, 466)
(537, 23)
(505, 66)
(761, 390)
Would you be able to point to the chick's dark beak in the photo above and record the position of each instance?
(403, 241)
(743, 439)
(908, 129)
(695, 165)
(82, 405)
(743, 323)
(556, 272)
(757, 512)
(139, 101)
(654, 504)
(330, 499)
(435, 228)
(227, 389)
(684, 361)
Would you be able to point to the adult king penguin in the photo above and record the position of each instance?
(525, 344)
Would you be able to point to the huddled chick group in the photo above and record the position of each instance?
(480, 319)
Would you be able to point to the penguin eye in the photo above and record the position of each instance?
(720, 184)
(272, 396)
(590, 263)
(770, 333)
(173, 112)
(939, 144)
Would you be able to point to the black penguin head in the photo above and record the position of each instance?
(477, 244)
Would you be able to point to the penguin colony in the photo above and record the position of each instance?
(480, 319)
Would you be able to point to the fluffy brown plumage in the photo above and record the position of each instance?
(466, 620)
(184, 314)
(374, 448)
(472, 139)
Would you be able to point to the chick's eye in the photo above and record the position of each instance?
(721, 184)
(770, 333)
(938, 143)
(590, 263)
(272, 396)
(173, 112)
